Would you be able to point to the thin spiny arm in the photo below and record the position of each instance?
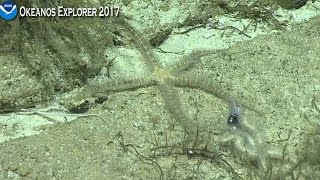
(174, 106)
(113, 85)
(122, 84)
(201, 83)
(208, 86)
(141, 43)
(190, 60)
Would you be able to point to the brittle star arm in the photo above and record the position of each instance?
(141, 44)
(201, 83)
(113, 85)
(190, 60)
(171, 99)
(206, 85)
(119, 85)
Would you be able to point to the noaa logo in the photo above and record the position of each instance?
(8, 10)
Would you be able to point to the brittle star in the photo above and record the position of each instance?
(165, 79)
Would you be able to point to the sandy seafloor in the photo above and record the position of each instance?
(276, 72)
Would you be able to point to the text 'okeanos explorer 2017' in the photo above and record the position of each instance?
(60, 11)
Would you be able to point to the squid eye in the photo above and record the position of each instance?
(233, 121)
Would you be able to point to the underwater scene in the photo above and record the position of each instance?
(172, 89)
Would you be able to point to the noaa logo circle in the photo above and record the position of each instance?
(8, 10)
